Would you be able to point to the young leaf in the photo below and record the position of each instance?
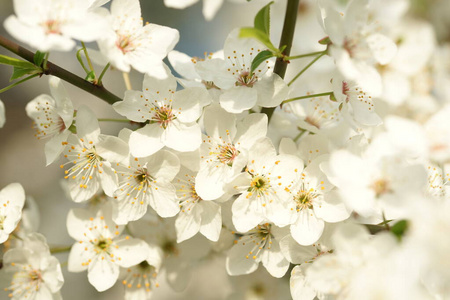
(249, 32)
(400, 228)
(38, 58)
(262, 19)
(6, 60)
(262, 56)
(90, 77)
(19, 72)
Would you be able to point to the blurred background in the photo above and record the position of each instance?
(22, 155)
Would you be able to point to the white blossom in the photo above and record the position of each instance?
(172, 116)
(130, 44)
(91, 154)
(100, 248)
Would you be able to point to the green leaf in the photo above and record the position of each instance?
(249, 32)
(262, 19)
(262, 56)
(400, 228)
(90, 76)
(19, 72)
(38, 58)
(6, 60)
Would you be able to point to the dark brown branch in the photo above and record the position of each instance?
(65, 75)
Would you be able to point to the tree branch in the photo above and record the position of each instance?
(65, 75)
(287, 36)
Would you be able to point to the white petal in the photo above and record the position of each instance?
(54, 147)
(271, 91)
(181, 137)
(210, 8)
(239, 261)
(187, 223)
(238, 99)
(274, 261)
(87, 124)
(129, 252)
(300, 290)
(146, 141)
(308, 228)
(211, 221)
(164, 201)
(219, 123)
(102, 273)
(332, 209)
(189, 103)
(383, 48)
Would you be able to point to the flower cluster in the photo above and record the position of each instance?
(339, 177)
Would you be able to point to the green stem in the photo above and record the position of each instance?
(99, 82)
(306, 97)
(80, 60)
(287, 35)
(303, 55)
(52, 69)
(114, 120)
(302, 131)
(60, 249)
(385, 223)
(91, 67)
(306, 68)
(18, 82)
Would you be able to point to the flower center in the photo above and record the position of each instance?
(227, 154)
(52, 27)
(246, 79)
(163, 116)
(304, 200)
(259, 184)
(125, 44)
(103, 245)
(381, 187)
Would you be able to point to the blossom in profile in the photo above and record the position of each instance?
(37, 274)
(53, 25)
(12, 199)
(128, 43)
(52, 115)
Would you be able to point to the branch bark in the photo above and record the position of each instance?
(55, 70)
(287, 36)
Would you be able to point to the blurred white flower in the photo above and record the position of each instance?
(37, 274)
(52, 24)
